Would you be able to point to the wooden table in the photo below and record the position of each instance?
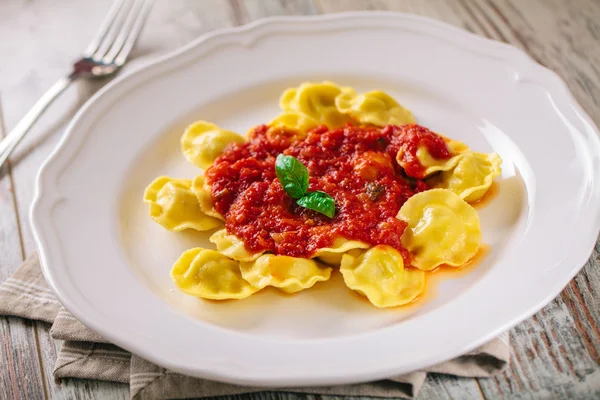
(555, 354)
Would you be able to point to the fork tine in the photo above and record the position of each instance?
(111, 34)
(135, 32)
(123, 33)
(106, 24)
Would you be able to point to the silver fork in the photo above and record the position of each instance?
(103, 57)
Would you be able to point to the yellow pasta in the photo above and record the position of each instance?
(317, 101)
(333, 255)
(173, 205)
(210, 275)
(472, 176)
(432, 164)
(376, 108)
(455, 146)
(295, 120)
(289, 274)
(442, 229)
(202, 191)
(232, 247)
(379, 274)
(202, 142)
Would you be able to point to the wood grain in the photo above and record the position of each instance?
(20, 374)
(555, 354)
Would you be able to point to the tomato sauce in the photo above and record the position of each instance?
(414, 136)
(355, 165)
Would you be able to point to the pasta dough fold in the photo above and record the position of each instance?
(295, 120)
(290, 274)
(174, 205)
(232, 247)
(472, 175)
(376, 108)
(210, 275)
(442, 229)
(317, 101)
(203, 193)
(379, 274)
(333, 255)
(202, 142)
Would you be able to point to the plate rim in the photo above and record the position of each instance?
(541, 75)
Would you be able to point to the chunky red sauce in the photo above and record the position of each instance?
(413, 137)
(355, 165)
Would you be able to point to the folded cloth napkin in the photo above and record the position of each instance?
(85, 354)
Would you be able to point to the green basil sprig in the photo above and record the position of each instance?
(293, 176)
(318, 201)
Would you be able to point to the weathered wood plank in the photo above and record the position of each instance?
(448, 11)
(439, 386)
(20, 374)
(562, 36)
(251, 10)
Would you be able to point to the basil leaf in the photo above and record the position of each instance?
(318, 201)
(292, 175)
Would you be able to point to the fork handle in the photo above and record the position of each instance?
(8, 144)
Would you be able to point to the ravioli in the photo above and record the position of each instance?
(232, 247)
(472, 176)
(379, 274)
(376, 108)
(317, 101)
(210, 275)
(295, 120)
(289, 274)
(173, 205)
(433, 164)
(333, 255)
(202, 191)
(202, 142)
(442, 229)
(423, 152)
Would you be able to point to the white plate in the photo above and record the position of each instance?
(109, 263)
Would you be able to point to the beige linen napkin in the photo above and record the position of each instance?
(85, 354)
